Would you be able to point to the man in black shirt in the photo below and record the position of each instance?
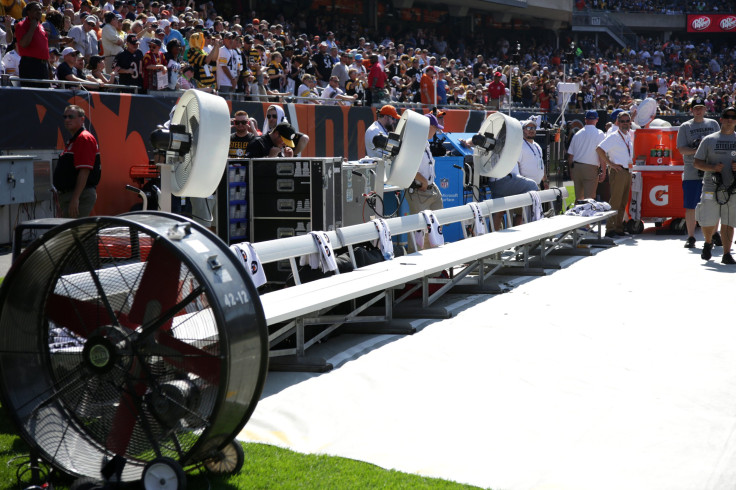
(68, 70)
(243, 135)
(279, 142)
(129, 63)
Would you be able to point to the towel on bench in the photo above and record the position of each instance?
(384, 238)
(325, 257)
(479, 224)
(434, 229)
(589, 207)
(249, 258)
(536, 206)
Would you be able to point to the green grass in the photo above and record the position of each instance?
(265, 467)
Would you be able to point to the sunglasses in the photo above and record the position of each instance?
(69, 116)
(271, 116)
(241, 123)
(624, 120)
(733, 116)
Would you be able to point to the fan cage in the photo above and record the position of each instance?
(83, 384)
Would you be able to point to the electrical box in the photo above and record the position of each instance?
(359, 180)
(16, 179)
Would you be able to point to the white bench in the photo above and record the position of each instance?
(291, 309)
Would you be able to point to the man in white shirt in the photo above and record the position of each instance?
(531, 161)
(227, 66)
(616, 154)
(334, 93)
(584, 159)
(85, 38)
(112, 39)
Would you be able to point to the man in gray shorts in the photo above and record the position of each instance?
(716, 156)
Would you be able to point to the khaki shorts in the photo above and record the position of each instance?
(708, 211)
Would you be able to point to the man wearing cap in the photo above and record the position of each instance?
(496, 91)
(584, 161)
(616, 154)
(68, 70)
(113, 39)
(385, 122)
(531, 161)
(153, 62)
(170, 32)
(689, 136)
(427, 86)
(323, 63)
(129, 63)
(279, 142)
(84, 37)
(613, 118)
(340, 70)
(227, 65)
(335, 94)
(716, 156)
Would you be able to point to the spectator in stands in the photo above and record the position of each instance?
(68, 69)
(227, 65)
(84, 37)
(154, 64)
(584, 161)
(427, 86)
(496, 91)
(335, 94)
(173, 65)
(323, 65)
(129, 63)
(32, 45)
(201, 61)
(341, 69)
(113, 40)
(97, 74)
(616, 155)
(377, 79)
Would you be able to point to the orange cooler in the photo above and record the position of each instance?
(662, 195)
(658, 146)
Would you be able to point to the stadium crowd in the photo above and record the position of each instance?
(186, 44)
(657, 6)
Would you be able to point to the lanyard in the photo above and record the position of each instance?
(628, 149)
(533, 149)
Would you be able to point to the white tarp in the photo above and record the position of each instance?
(618, 371)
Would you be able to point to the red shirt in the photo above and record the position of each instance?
(496, 90)
(84, 148)
(151, 59)
(377, 77)
(426, 85)
(39, 45)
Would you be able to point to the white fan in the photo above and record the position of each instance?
(403, 149)
(196, 145)
(645, 112)
(659, 123)
(497, 145)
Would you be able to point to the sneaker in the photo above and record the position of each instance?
(705, 255)
(690, 242)
(727, 259)
(717, 240)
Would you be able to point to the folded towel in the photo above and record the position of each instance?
(325, 258)
(479, 224)
(384, 239)
(249, 258)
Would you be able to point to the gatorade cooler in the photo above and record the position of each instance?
(657, 146)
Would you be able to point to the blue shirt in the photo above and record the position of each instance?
(174, 34)
(442, 92)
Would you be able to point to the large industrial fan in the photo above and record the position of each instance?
(132, 347)
(497, 146)
(403, 149)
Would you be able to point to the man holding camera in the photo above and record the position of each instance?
(689, 135)
(385, 122)
(716, 156)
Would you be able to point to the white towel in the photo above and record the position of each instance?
(590, 207)
(536, 206)
(433, 228)
(384, 238)
(325, 258)
(249, 258)
(479, 224)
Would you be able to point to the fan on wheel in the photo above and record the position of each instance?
(132, 346)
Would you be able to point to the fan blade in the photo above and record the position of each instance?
(188, 357)
(159, 287)
(79, 317)
(125, 418)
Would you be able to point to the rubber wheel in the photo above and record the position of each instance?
(678, 224)
(635, 226)
(87, 483)
(164, 474)
(229, 462)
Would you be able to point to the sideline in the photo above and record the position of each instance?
(597, 369)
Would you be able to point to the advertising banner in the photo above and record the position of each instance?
(711, 23)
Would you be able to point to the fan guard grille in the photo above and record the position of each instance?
(115, 339)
